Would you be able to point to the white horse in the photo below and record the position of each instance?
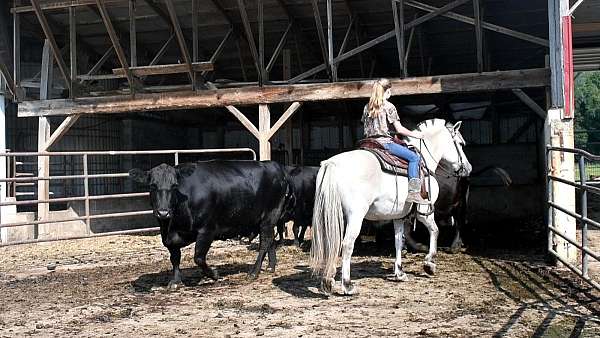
(351, 186)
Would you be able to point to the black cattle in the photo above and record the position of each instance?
(303, 180)
(201, 201)
(450, 209)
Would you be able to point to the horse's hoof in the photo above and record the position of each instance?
(429, 268)
(349, 289)
(174, 285)
(327, 286)
(399, 277)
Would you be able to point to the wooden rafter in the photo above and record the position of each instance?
(55, 50)
(249, 35)
(115, 42)
(456, 83)
(181, 40)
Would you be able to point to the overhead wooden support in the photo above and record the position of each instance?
(433, 14)
(485, 25)
(132, 33)
(249, 35)
(529, 102)
(98, 64)
(181, 40)
(165, 69)
(73, 46)
(346, 36)
(239, 115)
(115, 42)
(478, 34)
(321, 36)
(333, 67)
(68, 122)
(60, 5)
(55, 50)
(43, 162)
(398, 11)
(456, 83)
(8, 78)
(262, 74)
(219, 50)
(195, 8)
(286, 115)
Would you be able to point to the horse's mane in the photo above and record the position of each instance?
(431, 123)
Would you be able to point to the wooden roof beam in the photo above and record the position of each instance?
(181, 40)
(456, 83)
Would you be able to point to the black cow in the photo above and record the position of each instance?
(303, 180)
(201, 201)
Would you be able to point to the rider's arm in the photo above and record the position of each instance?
(400, 129)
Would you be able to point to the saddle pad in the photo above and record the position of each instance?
(389, 163)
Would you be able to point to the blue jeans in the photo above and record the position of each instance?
(403, 152)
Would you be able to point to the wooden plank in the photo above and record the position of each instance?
(62, 66)
(333, 67)
(478, 34)
(484, 24)
(398, 11)
(195, 30)
(284, 117)
(132, 33)
(456, 83)
(98, 65)
(115, 42)
(529, 102)
(433, 14)
(346, 37)
(73, 43)
(321, 36)
(308, 73)
(264, 126)
(16, 51)
(165, 69)
(249, 35)
(68, 122)
(61, 4)
(181, 40)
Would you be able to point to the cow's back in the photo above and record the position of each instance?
(234, 197)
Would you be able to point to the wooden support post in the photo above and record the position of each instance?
(181, 40)
(195, 8)
(264, 127)
(249, 36)
(60, 131)
(261, 44)
(529, 102)
(333, 67)
(321, 36)
(398, 11)
(132, 33)
(240, 116)
(478, 34)
(43, 192)
(284, 117)
(73, 47)
(17, 53)
(50, 37)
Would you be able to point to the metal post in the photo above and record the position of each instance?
(86, 192)
(584, 225)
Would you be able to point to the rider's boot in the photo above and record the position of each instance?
(414, 192)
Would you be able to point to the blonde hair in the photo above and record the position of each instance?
(377, 97)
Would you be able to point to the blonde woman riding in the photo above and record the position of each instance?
(377, 117)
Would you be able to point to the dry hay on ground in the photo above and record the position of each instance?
(116, 286)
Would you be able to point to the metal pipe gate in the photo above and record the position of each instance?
(86, 198)
(582, 268)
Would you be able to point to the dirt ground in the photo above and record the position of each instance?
(116, 286)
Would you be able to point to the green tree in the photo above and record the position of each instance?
(587, 111)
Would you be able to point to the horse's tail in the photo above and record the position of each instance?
(328, 223)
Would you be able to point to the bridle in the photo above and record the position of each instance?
(462, 167)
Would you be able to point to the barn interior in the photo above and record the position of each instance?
(222, 44)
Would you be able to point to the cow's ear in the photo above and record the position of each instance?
(456, 126)
(140, 176)
(185, 170)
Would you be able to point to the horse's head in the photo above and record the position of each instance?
(444, 142)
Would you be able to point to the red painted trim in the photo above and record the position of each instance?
(568, 89)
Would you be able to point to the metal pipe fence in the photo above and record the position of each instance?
(87, 197)
(582, 184)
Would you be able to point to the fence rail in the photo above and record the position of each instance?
(86, 198)
(586, 253)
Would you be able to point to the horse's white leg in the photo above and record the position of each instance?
(429, 222)
(352, 231)
(399, 275)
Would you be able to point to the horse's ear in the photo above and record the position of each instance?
(456, 126)
(140, 176)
